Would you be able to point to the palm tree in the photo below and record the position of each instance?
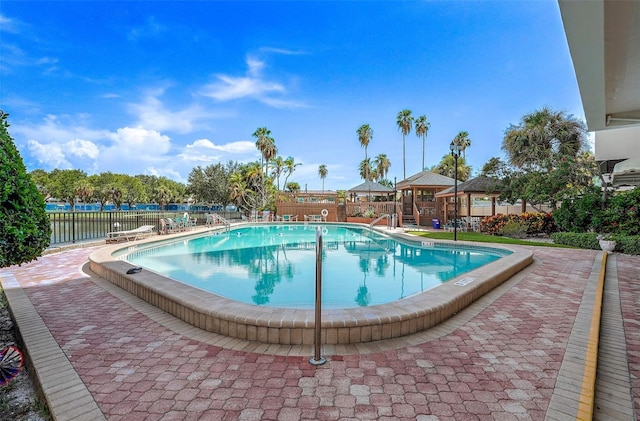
(541, 138)
(422, 128)
(404, 121)
(84, 190)
(322, 172)
(365, 169)
(278, 169)
(382, 165)
(265, 144)
(267, 147)
(462, 140)
(269, 152)
(239, 189)
(447, 168)
(365, 133)
(289, 166)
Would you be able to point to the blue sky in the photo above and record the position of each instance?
(161, 87)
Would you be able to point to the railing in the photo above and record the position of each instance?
(214, 218)
(380, 218)
(74, 227)
(378, 208)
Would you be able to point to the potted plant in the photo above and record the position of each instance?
(607, 243)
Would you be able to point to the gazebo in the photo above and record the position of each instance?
(418, 196)
(371, 188)
(476, 198)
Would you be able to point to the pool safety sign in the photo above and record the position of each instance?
(464, 281)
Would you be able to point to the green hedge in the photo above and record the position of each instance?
(628, 244)
(24, 225)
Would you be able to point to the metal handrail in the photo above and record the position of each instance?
(317, 359)
(386, 215)
(222, 220)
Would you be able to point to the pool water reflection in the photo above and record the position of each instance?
(274, 265)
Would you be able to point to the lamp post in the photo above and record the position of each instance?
(455, 152)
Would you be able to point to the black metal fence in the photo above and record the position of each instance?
(74, 227)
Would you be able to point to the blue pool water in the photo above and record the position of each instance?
(274, 265)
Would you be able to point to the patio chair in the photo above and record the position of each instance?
(189, 222)
(266, 215)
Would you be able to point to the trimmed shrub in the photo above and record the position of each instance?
(583, 240)
(627, 244)
(24, 225)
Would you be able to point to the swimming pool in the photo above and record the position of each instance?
(264, 324)
(274, 265)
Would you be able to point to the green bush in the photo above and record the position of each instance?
(24, 225)
(583, 240)
(513, 229)
(582, 214)
(622, 213)
(628, 244)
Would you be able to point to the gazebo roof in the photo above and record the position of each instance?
(480, 184)
(425, 179)
(370, 187)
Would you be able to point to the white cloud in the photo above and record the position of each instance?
(152, 113)
(252, 85)
(50, 155)
(167, 172)
(204, 150)
(8, 24)
(60, 129)
(82, 148)
(140, 142)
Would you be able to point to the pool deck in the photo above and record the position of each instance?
(524, 351)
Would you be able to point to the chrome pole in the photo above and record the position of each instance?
(317, 358)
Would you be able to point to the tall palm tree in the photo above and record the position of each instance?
(365, 169)
(322, 172)
(267, 147)
(462, 139)
(265, 144)
(382, 165)
(365, 134)
(269, 152)
(278, 169)
(289, 167)
(422, 128)
(404, 121)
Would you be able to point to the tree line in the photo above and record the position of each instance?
(546, 162)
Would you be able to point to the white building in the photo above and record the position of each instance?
(604, 40)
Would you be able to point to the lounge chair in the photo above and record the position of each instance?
(134, 234)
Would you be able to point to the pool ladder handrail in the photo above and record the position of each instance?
(218, 218)
(384, 215)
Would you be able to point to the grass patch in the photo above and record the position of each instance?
(483, 238)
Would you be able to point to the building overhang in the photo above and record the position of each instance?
(604, 41)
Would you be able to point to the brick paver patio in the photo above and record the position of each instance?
(499, 363)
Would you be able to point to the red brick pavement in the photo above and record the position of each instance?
(629, 281)
(500, 365)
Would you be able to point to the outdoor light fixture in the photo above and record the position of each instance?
(455, 152)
